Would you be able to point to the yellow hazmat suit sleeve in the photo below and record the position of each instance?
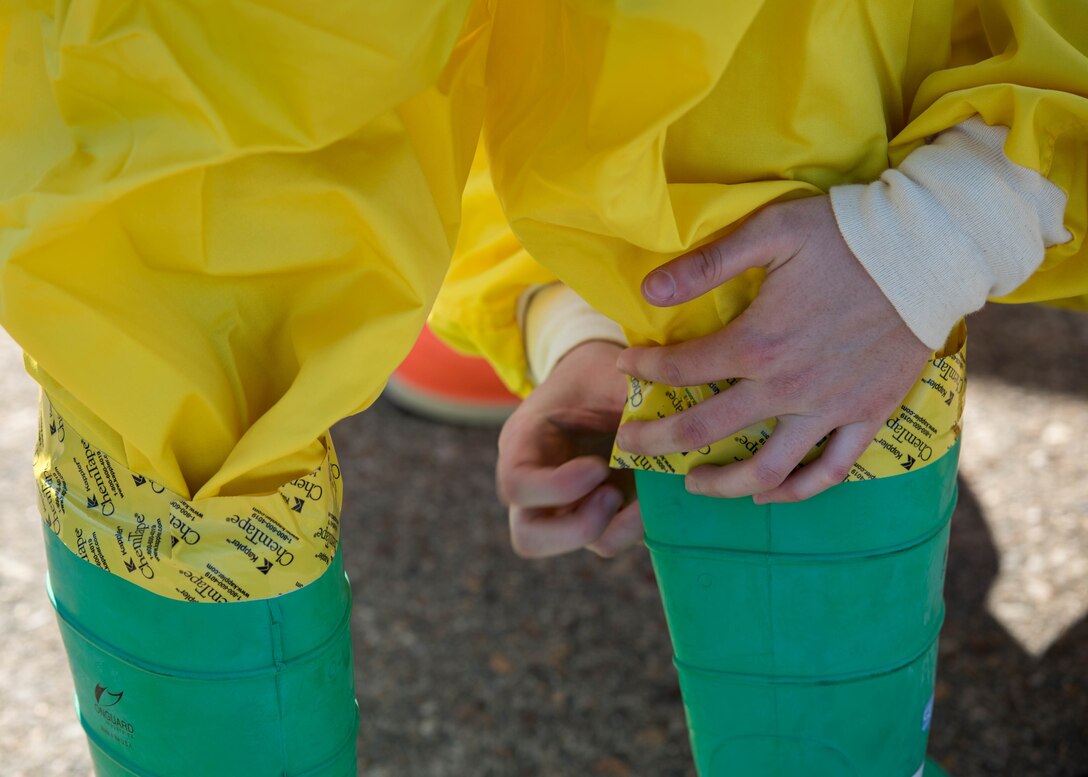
(1022, 64)
(477, 308)
(223, 222)
(621, 136)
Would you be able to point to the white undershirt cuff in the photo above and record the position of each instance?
(957, 222)
(554, 319)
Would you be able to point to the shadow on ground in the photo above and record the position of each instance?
(1001, 711)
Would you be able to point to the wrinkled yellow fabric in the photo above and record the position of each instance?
(481, 291)
(621, 135)
(222, 222)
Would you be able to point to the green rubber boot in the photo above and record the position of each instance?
(171, 688)
(805, 635)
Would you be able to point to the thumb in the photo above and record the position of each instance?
(756, 243)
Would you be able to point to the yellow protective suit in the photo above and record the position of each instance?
(621, 135)
(223, 222)
(222, 225)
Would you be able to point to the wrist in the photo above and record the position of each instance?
(589, 354)
(555, 320)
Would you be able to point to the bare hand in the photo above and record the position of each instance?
(821, 348)
(553, 460)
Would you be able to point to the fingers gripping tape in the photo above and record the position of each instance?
(220, 549)
(925, 427)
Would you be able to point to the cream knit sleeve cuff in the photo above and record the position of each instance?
(957, 222)
(554, 319)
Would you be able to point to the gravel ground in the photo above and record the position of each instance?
(473, 662)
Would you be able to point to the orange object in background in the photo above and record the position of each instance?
(440, 384)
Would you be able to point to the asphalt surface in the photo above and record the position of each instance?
(472, 662)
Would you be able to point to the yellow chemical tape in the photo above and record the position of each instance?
(221, 549)
(925, 428)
